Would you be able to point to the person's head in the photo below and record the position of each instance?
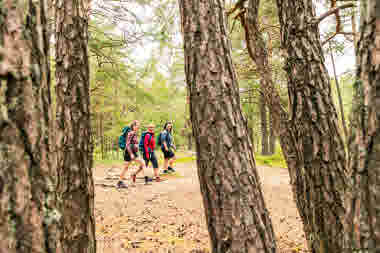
(168, 126)
(135, 125)
(151, 128)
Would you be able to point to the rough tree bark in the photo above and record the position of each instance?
(313, 114)
(264, 125)
(29, 215)
(73, 127)
(309, 137)
(237, 218)
(363, 223)
(272, 136)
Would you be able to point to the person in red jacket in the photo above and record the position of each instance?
(148, 152)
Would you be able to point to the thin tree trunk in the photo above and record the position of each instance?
(339, 94)
(102, 143)
(75, 186)
(313, 114)
(237, 218)
(363, 223)
(264, 125)
(29, 215)
(354, 31)
(272, 136)
(190, 141)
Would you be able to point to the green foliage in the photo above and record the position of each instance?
(123, 91)
(276, 160)
(347, 85)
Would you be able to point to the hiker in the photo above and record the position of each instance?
(147, 145)
(130, 154)
(167, 146)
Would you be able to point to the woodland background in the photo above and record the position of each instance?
(137, 67)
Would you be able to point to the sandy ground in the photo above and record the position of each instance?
(169, 216)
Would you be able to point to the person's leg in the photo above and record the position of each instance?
(141, 165)
(140, 169)
(165, 167)
(171, 162)
(127, 160)
(154, 161)
(122, 175)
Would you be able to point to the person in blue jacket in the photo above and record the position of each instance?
(167, 146)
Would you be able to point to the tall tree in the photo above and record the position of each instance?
(272, 136)
(363, 223)
(310, 140)
(317, 133)
(264, 126)
(237, 218)
(75, 185)
(29, 216)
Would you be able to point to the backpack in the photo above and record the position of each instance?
(141, 143)
(159, 143)
(122, 137)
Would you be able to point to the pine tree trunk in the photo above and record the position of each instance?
(237, 218)
(272, 137)
(321, 180)
(29, 215)
(363, 227)
(190, 141)
(75, 186)
(264, 126)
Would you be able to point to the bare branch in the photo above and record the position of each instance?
(333, 11)
(335, 34)
(238, 5)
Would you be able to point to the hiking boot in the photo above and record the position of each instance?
(165, 171)
(121, 184)
(171, 170)
(133, 177)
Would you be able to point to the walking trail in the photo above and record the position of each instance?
(169, 216)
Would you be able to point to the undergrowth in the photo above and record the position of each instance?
(276, 160)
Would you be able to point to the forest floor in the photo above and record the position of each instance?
(169, 217)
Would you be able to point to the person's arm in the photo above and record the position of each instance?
(146, 142)
(163, 140)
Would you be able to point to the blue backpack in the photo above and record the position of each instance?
(141, 143)
(159, 143)
(122, 137)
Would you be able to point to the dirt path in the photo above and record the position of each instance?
(169, 217)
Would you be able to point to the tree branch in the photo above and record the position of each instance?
(335, 34)
(333, 11)
(238, 5)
